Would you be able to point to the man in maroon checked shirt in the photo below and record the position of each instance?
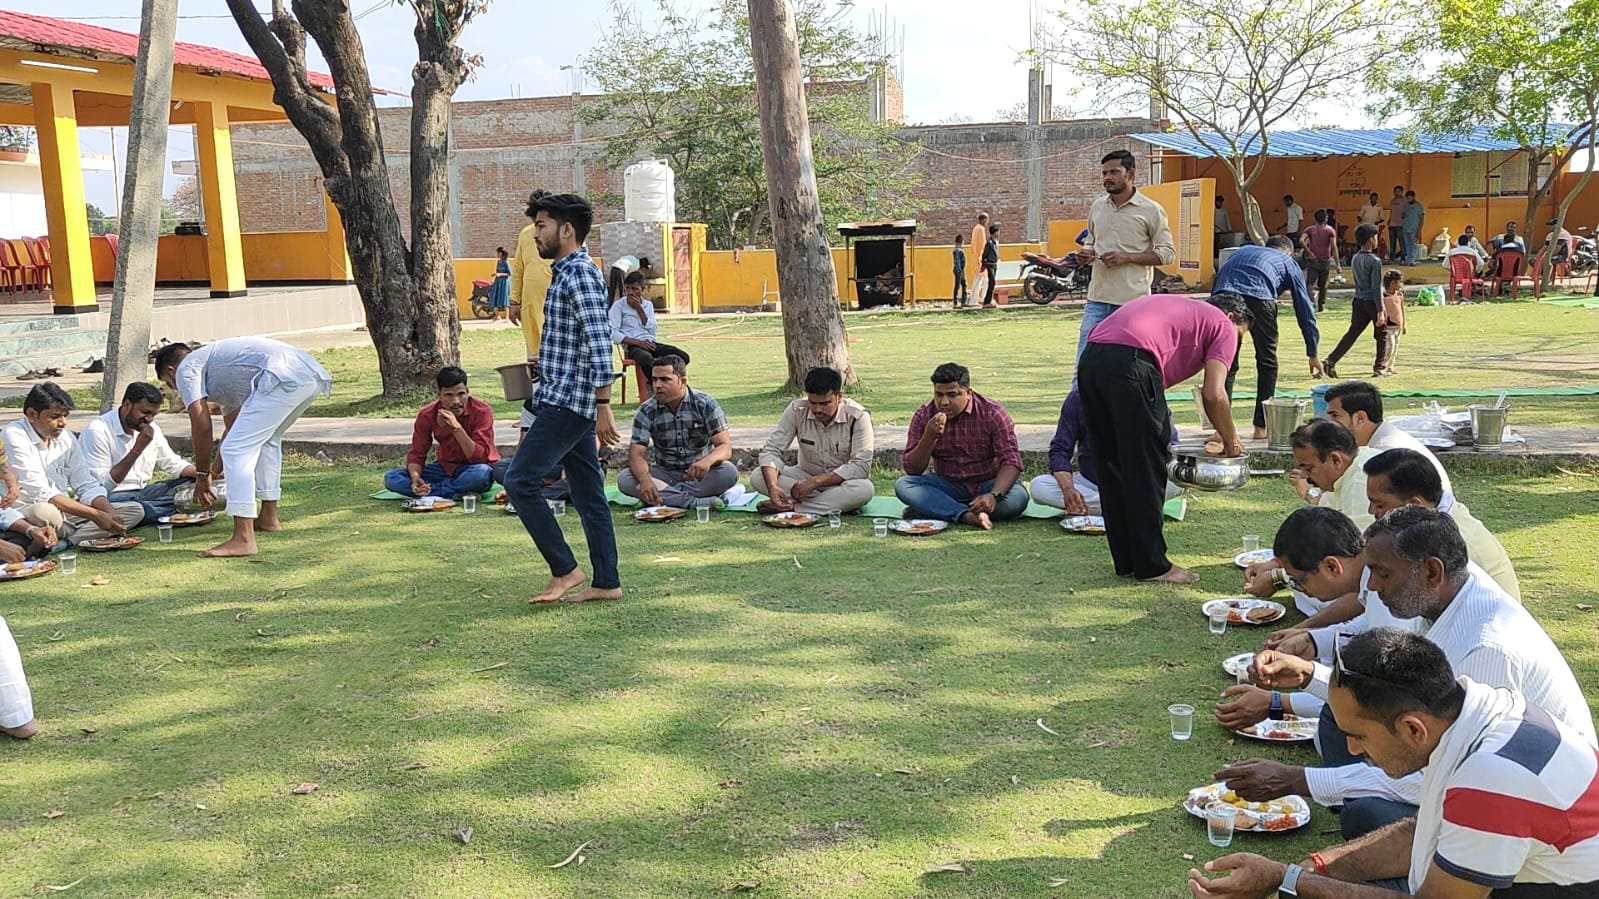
(462, 428)
(970, 442)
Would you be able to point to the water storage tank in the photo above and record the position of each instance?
(649, 192)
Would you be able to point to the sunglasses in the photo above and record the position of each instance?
(1345, 671)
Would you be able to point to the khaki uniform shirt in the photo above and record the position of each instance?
(844, 445)
(1137, 226)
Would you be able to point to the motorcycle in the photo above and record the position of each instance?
(1584, 256)
(1044, 278)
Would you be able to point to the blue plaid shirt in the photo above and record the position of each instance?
(575, 348)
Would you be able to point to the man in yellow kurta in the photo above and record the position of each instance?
(530, 281)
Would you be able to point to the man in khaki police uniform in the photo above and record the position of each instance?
(835, 452)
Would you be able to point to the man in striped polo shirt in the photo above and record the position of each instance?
(1509, 795)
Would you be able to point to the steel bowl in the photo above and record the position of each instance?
(1191, 467)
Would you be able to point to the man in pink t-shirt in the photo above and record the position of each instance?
(1321, 256)
(1150, 344)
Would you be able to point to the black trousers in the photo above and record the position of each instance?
(1396, 243)
(1264, 334)
(1124, 407)
(24, 544)
(1362, 315)
(962, 294)
(1316, 273)
(645, 359)
(991, 271)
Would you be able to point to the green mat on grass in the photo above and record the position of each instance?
(890, 507)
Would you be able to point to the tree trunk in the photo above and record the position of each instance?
(813, 328)
(1254, 223)
(437, 74)
(412, 342)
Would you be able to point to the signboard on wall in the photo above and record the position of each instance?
(1190, 228)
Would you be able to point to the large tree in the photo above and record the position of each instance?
(1524, 68)
(681, 87)
(1225, 72)
(406, 287)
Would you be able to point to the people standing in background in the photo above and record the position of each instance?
(1128, 235)
(991, 264)
(1294, 217)
(1393, 316)
(1371, 213)
(1224, 222)
(1396, 222)
(978, 242)
(1367, 306)
(1321, 255)
(1415, 217)
(500, 296)
(961, 296)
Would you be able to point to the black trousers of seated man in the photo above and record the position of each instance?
(1128, 422)
(645, 359)
(1263, 332)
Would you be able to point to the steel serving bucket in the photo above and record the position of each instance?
(1488, 426)
(1283, 415)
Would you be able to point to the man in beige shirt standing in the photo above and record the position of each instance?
(835, 452)
(1128, 235)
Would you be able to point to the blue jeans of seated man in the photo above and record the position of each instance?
(556, 489)
(159, 498)
(560, 438)
(1358, 817)
(467, 479)
(932, 496)
(1094, 312)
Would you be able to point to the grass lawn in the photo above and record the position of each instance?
(1022, 357)
(826, 713)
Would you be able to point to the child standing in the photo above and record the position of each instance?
(961, 297)
(1392, 321)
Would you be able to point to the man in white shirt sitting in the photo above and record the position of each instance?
(1507, 795)
(1419, 568)
(1402, 477)
(123, 448)
(16, 702)
(633, 326)
(1463, 247)
(62, 493)
(1357, 405)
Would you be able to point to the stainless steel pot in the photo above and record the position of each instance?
(1191, 467)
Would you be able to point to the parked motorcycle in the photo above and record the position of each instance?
(1584, 256)
(1044, 278)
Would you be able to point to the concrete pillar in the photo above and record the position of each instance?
(224, 245)
(579, 173)
(61, 173)
(452, 180)
(1033, 150)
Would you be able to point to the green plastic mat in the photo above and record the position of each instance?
(1588, 302)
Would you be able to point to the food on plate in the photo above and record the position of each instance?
(1261, 613)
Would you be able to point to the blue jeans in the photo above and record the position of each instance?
(1094, 312)
(467, 479)
(1409, 237)
(931, 496)
(1358, 817)
(560, 438)
(159, 498)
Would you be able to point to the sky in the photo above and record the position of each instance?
(960, 59)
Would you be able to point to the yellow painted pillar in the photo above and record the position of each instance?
(224, 246)
(61, 173)
(339, 268)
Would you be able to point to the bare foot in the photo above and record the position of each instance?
(594, 593)
(1260, 433)
(558, 586)
(980, 519)
(22, 731)
(268, 524)
(1177, 574)
(230, 549)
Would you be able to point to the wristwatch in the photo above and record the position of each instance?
(1313, 494)
(1290, 884)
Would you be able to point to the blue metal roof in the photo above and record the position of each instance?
(1337, 142)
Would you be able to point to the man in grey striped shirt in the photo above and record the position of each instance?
(1417, 563)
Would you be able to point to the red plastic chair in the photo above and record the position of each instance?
(39, 252)
(1463, 281)
(1508, 269)
(638, 373)
(19, 267)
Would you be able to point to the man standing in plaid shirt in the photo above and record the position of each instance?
(572, 405)
(970, 442)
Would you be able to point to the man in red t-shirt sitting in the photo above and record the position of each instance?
(461, 426)
(1321, 256)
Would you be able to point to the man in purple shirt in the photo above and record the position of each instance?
(970, 442)
(1072, 483)
(1150, 344)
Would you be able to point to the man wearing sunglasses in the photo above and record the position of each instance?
(1508, 793)
(1419, 569)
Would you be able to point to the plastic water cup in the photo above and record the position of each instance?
(702, 514)
(164, 532)
(835, 518)
(1218, 620)
(1243, 673)
(1182, 721)
(1251, 542)
(558, 507)
(1219, 820)
(879, 527)
(69, 563)
(469, 503)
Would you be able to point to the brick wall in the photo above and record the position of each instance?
(505, 148)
